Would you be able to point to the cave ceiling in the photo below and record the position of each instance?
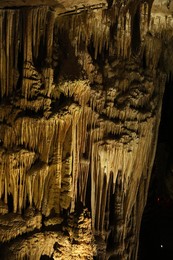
(61, 5)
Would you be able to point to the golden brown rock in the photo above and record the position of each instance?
(80, 110)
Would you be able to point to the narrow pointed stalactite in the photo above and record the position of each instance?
(8, 56)
(28, 37)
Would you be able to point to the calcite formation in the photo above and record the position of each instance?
(81, 88)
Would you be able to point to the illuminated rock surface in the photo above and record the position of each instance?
(81, 95)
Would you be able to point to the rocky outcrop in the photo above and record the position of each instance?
(81, 95)
(75, 241)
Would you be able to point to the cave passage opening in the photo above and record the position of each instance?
(156, 234)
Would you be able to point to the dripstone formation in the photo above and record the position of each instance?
(81, 87)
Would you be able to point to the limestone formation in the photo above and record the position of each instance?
(81, 86)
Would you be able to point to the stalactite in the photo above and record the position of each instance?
(8, 67)
(86, 27)
(30, 41)
(83, 179)
(35, 182)
(28, 37)
(13, 169)
(59, 138)
(75, 155)
(38, 27)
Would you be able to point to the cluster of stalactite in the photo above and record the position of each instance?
(90, 140)
(28, 35)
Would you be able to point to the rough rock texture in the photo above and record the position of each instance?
(74, 241)
(81, 94)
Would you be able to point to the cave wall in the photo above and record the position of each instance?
(81, 94)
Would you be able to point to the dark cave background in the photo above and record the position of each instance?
(156, 233)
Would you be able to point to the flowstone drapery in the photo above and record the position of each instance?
(81, 93)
